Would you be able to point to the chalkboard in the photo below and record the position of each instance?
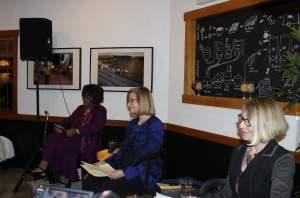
(248, 45)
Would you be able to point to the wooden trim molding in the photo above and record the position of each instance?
(13, 36)
(220, 8)
(113, 123)
(233, 103)
(12, 116)
(117, 123)
(221, 139)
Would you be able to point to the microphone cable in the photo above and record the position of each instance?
(60, 86)
(45, 127)
(63, 94)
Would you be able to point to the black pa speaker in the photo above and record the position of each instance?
(35, 39)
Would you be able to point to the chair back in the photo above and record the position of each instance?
(212, 185)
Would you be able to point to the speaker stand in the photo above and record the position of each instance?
(37, 83)
(37, 66)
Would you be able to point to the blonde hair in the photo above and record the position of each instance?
(144, 99)
(267, 120)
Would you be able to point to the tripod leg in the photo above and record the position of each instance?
(18, 184)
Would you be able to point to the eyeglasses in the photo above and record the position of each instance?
(242, 119)
(131, 100)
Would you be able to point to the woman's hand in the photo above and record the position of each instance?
(117, 174)
(71, 132)
(101, 162)
(58, 128)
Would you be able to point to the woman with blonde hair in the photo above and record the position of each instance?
(143, 138)
(260, 167)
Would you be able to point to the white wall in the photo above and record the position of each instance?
(211, 119)
(95, 23)
(7, 14)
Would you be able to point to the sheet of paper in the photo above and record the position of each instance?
(97, 170)
(60, 127)
(159, 195)
(164, 186)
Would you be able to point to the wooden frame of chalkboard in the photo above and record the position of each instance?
(192, 19)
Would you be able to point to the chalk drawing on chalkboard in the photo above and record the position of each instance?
(207, 54)
(290, 19)
(249, 65)
(219, 58)
(223, 81)
(233, 28)
(220, 53)
(265, 88)
(228, 53)
(250, 23)
(279, 46)
(235, 51)
(269, 19)
(219, 31)
(284, 48)
(217, 81)
(273, 51)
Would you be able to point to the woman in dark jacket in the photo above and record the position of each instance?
(260, 168)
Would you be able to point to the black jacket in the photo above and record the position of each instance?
(256, 180)
(269, 175)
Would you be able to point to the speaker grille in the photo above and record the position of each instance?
(35, 39)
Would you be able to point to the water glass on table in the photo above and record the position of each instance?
(186, 189)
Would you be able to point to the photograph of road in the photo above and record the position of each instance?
(119, 70)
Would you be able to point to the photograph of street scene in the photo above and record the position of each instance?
(58, 71)
(121, 70)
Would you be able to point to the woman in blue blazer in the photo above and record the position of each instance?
(143, 139)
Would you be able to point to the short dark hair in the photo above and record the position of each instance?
(94, 91)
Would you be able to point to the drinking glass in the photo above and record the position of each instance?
(186, 187)
(197, 87)
(244, 89)
(112, 145)
(250, 89)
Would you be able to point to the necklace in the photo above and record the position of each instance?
(251, 153)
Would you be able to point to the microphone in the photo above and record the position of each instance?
(45, 126)
(47, 114)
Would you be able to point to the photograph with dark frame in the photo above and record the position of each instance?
(61, 71)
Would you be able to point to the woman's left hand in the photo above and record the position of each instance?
(71, 132)
(117, 174)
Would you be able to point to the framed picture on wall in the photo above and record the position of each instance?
(63, 71)
(121, 68)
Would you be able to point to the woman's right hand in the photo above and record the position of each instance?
(101, 162)
(57, 130)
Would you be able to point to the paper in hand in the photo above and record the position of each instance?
(97, 170)
(60, 128)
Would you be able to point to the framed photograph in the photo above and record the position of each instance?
(121, 68)
(63, 71)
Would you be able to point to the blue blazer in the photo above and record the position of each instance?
(140, 141)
